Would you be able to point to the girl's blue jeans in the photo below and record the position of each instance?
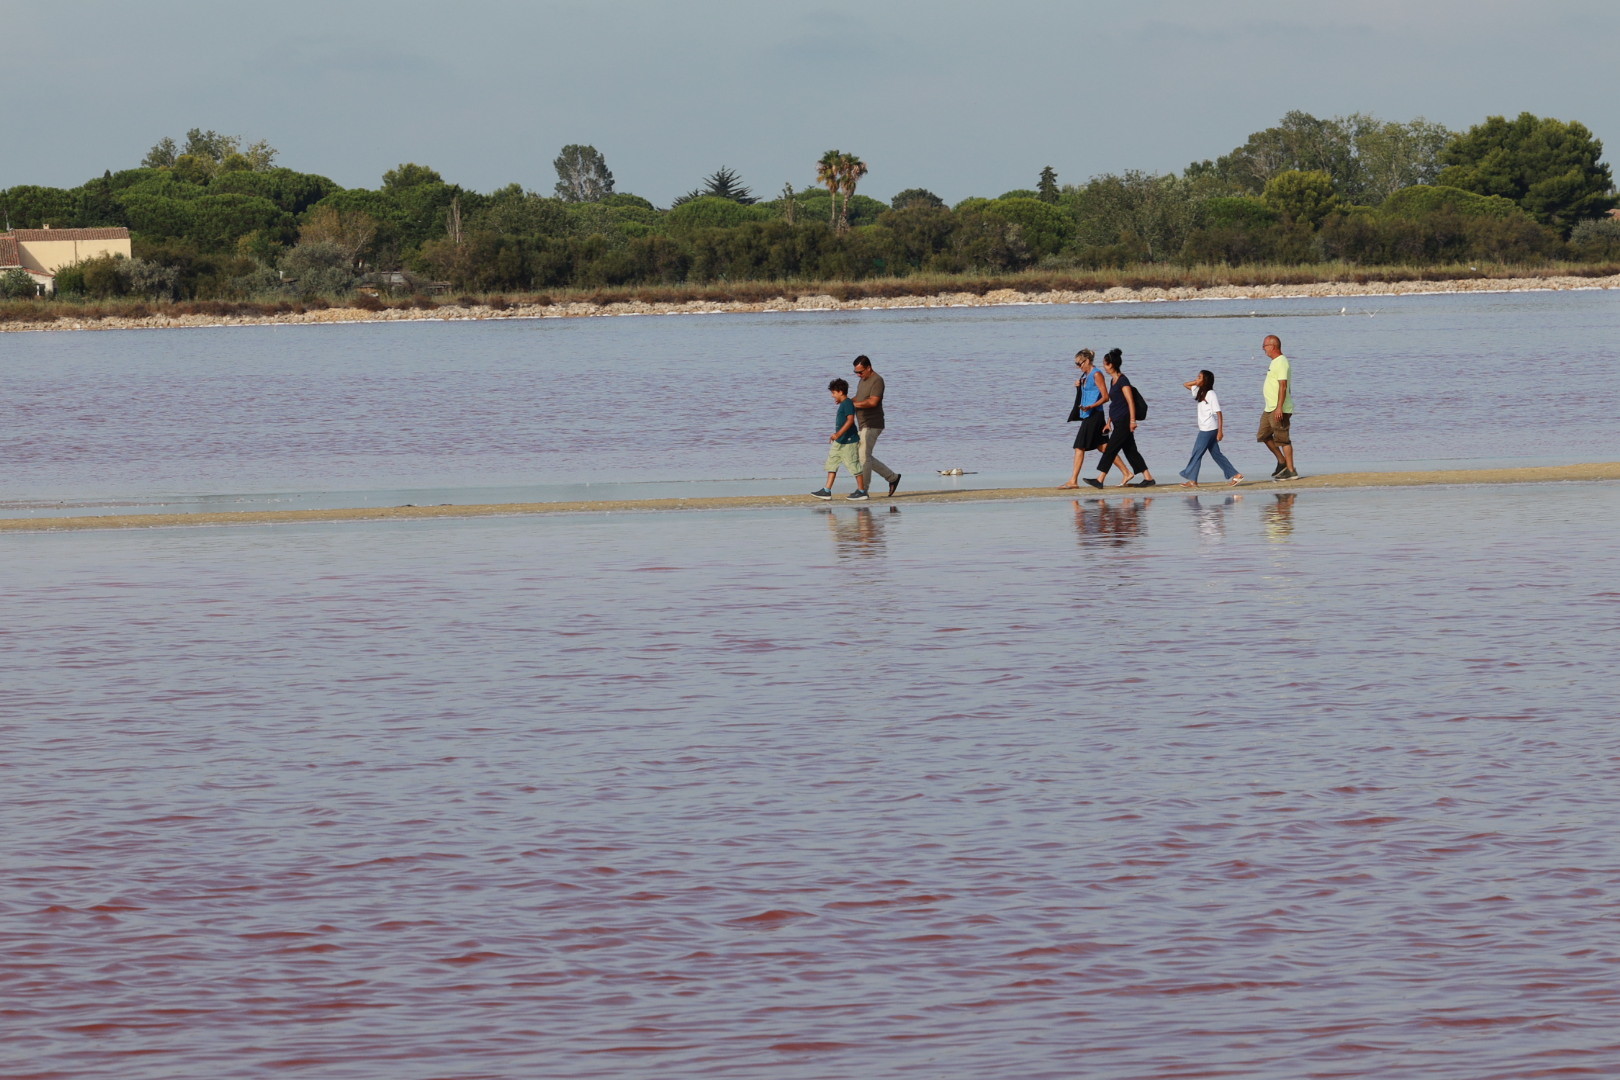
(1206, 444)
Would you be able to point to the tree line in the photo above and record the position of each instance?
(214, 218)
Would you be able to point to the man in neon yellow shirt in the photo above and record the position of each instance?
(1278, 417)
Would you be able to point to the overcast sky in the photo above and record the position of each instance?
(958, 97)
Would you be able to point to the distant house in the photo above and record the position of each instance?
(42, 252)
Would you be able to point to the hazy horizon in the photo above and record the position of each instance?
(948, 96)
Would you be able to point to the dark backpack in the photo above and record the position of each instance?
(1141, 402)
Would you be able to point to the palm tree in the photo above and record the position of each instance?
(830, 171)
(853, 169)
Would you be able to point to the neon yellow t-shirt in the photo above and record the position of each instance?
(1280, 370)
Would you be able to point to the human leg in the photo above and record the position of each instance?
(1227, 468)
(1134, 456)
(1110, 452)
(1079, 463)
(869, 463)
(1201, 445)
(1279, 439)
(1265, 436)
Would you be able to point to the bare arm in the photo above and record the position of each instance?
(1102, 388)
(1130, 402)
(1220, 425)
(848, 425)
(869, 402)
(1282, 396)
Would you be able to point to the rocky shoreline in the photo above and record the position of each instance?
(823, 302)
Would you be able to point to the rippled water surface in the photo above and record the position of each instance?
(1265, 787)
(512, 410)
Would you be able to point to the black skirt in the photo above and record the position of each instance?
(1090, 435)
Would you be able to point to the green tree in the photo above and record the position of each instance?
(1299, 142)
(1553, 169)
(16, 284)
(294, 192)
(209, 153)
(1301, 197)
(28, 206)
(162, 154)
(1044, 227)
(582, 174)
(1391, 156)
(218, 221)
(723, 183)
(830, 174)
(851, 170)
(710, 212)
(318, 268)
(1148, 216)
(350, 231)
(408, 175)
(1047, 189)
(1426, 200)
(916, 197)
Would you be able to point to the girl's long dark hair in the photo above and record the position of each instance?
(1206, 383)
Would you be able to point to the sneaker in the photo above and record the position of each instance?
(1147, 483)
(894, 484)
(1278, 471)
(1094, 483)
(1288, 474)
(856, 496)
(822, 494)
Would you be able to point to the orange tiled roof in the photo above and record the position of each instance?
(119, 233)
(8, 252)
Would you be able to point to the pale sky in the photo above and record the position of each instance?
(961, 98)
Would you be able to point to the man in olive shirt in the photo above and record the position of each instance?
(869, 418)
(1277, 420)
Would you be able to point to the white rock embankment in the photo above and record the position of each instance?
(823, 302)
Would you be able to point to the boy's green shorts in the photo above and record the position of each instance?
(845, 454)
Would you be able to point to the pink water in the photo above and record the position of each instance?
(1267, 788)
(510, 411)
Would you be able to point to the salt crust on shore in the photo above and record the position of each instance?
(1540, 474)
(828, 303)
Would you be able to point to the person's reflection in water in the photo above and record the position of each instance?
(1278, 518)
(1111, 522)
(857, 535)
(1210, 517)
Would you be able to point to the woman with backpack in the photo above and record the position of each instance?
(1211, 429)
(1125, 409)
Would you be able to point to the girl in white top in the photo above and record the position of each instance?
(1211, 429)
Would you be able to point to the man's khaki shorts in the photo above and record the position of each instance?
(1272, 430)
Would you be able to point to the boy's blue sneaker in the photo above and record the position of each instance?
(857, 495)
(822, 494)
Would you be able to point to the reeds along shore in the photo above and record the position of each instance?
(1142, 283)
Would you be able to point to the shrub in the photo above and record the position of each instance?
(16, 284)
(1596, 239)
(1422, 200)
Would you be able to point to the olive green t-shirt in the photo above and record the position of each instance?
(873, 417)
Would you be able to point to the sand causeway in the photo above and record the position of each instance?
(1594, 471)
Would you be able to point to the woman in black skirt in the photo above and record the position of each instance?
(1090, 395)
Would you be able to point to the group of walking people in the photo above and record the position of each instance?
(1113, 432)
(1108, 408)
